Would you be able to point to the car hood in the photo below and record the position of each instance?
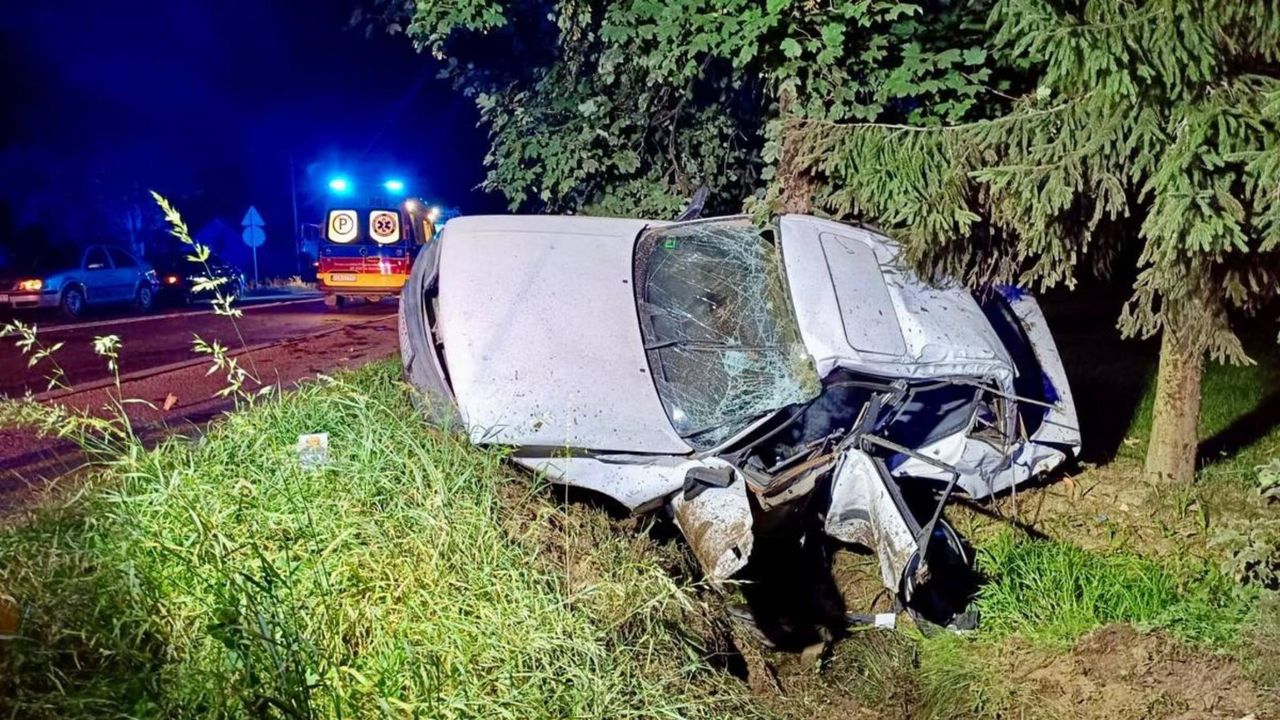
(542, 344)
(858, 308)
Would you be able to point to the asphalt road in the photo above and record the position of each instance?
(163, 338)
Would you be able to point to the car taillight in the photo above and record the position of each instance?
(30, 285)
(171, 279)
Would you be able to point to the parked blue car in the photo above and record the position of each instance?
(73, 280)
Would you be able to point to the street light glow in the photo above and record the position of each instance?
(411, 205)
(339, 184)
(394, 186)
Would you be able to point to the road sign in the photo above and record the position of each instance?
(252, 218)
(384, 226)
(253, 235)
(343, 226)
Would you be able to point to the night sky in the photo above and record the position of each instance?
(207, 102)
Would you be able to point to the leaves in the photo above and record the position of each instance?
(632, 105)
(1143, 126)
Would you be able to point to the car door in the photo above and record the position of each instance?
(125, 274)
(98, 276)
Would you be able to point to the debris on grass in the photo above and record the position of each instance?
(313, 450)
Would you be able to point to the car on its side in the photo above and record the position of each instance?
(74, 279)
(178, 276)
(743, 378)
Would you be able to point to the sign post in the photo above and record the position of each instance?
(253, 236)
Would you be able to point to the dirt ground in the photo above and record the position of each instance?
(1116, 672)
(1113, 672)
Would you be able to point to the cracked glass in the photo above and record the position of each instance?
(721, 337)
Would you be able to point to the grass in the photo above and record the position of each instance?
(219, 578)
(414, 576)
(1054, 592)
(1235, 399)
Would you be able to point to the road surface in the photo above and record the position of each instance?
(164, 338)
(281, 342)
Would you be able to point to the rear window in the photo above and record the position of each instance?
(121, 258)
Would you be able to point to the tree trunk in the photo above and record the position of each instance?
(1171, 453)
(795, 180)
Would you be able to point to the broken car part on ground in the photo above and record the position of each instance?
(742, 379)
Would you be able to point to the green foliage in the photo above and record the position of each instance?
(627, 107)
(407, 577)
(1251, 546)
(1054, 592)
(1269, 480)
(1143, 124)
(1252, 549)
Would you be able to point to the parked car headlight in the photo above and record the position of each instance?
(32, 285)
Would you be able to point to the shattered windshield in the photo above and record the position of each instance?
(721, 337)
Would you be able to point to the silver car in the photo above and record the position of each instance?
(74, 280)
(738, 378)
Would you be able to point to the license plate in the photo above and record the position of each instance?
(342, 277)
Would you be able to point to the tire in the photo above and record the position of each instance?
(145, 298)
(334, 302)
(73, 302)
(945, 599)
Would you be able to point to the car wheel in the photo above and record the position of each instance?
(73, 302)
(237, 290)
(145, 299)
(945, 599)
(334, 302)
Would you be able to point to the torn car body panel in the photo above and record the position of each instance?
(718, 524)
(866, 509)
(728, 375)
(941, 333)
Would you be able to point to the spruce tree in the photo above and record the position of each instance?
(1148, 126)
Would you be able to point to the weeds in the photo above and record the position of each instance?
(28, 343)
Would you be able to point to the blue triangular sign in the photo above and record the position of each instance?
(252, 218)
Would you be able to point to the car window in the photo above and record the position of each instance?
(722, 339)
(121, 258)
(96, 259)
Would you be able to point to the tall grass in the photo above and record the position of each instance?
(219, 578)
(1054, 592)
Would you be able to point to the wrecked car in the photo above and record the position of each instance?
(738, 377)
